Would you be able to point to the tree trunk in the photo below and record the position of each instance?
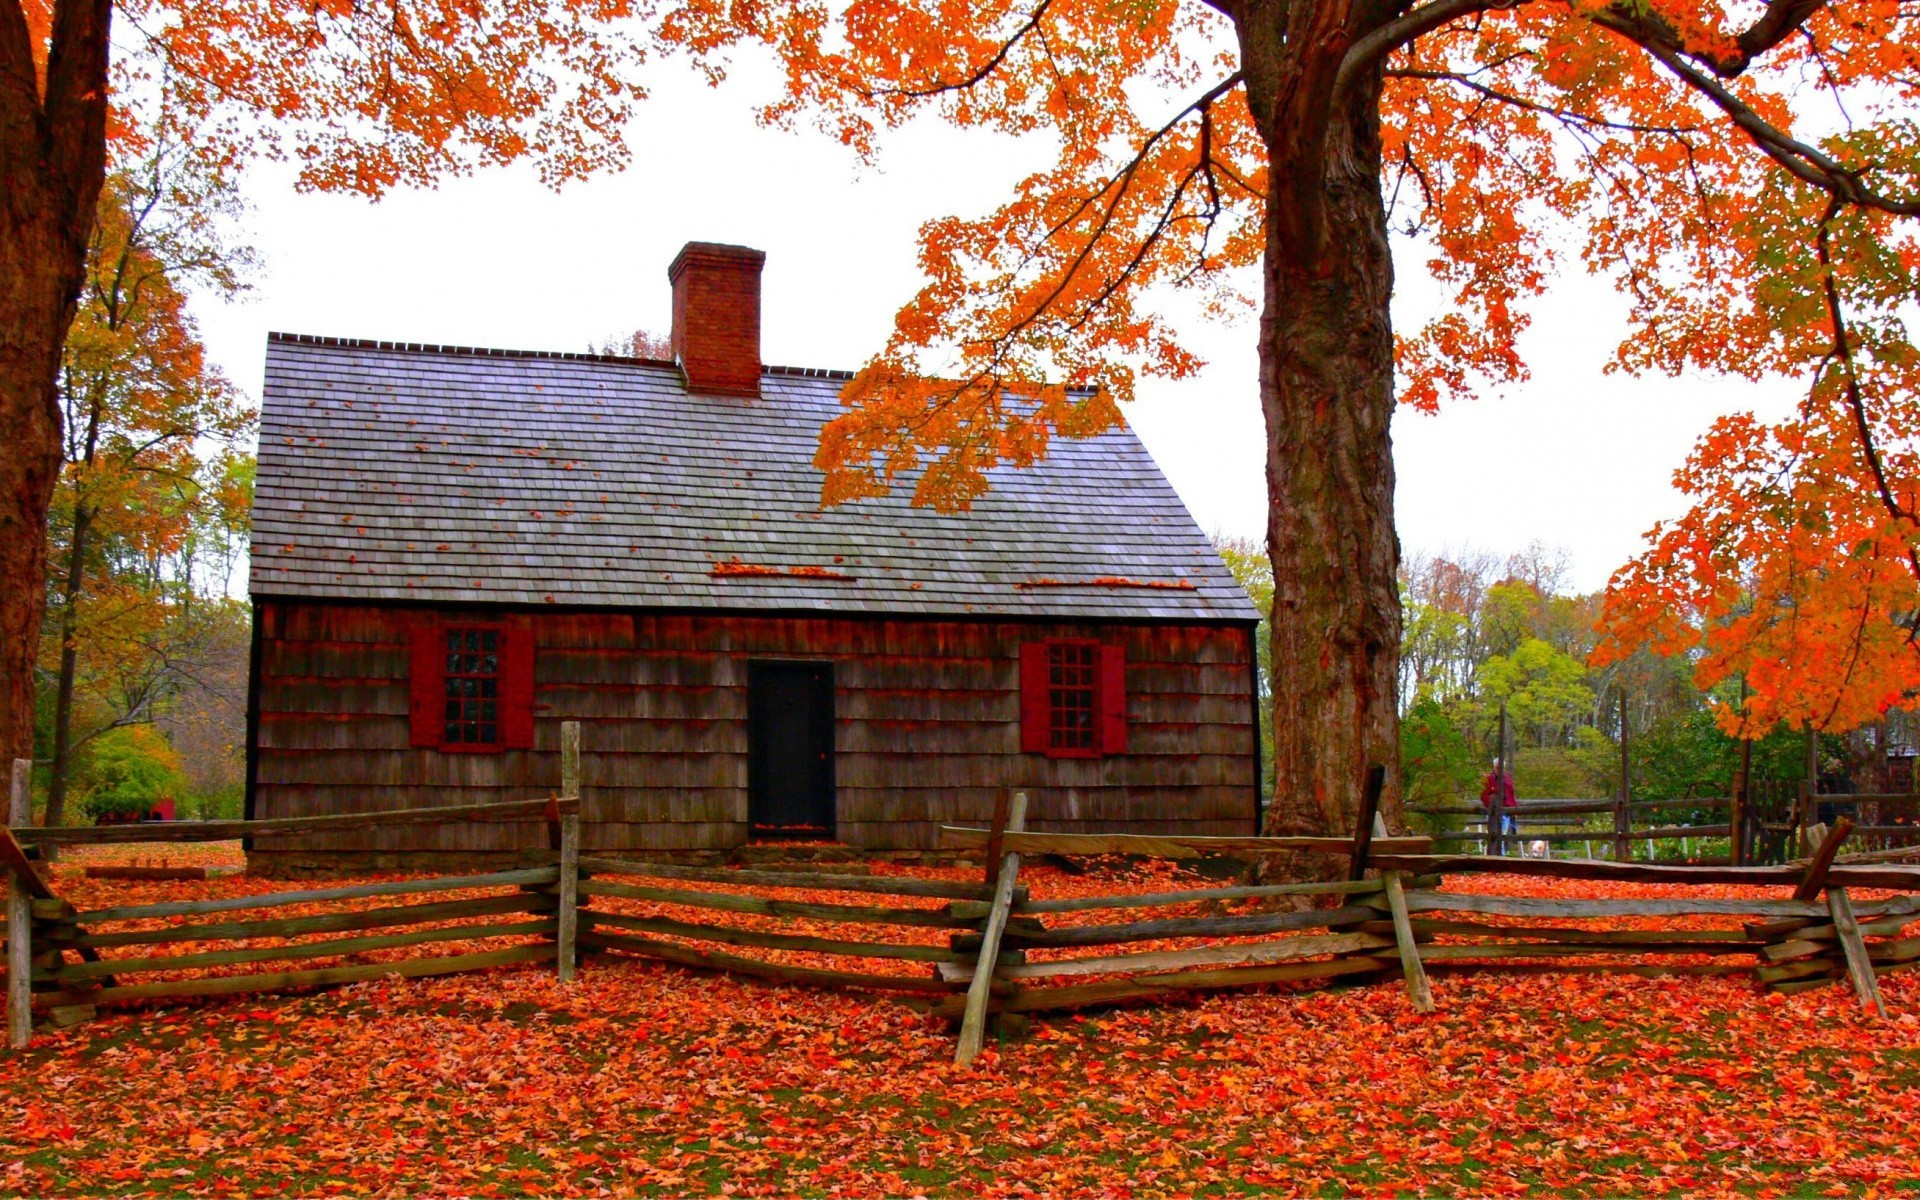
(39, 279)
(53, 140)
(69, 667)
(1326, 389)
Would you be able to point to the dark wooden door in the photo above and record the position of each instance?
(790, 749)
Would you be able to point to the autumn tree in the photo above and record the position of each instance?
(362, 97)
(1742, 171)
(141, 410)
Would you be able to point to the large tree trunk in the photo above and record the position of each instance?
(52, 163)
(39, 278)
(1326, 388)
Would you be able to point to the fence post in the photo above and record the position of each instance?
(20, 918)
(973, 1025)
(1740, 804)
(1497, 803)
(1622, 815)
(567, 922)
(1411, 966)
(567, 928)
(1859, 965)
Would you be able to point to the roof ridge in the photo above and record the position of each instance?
(314, 339)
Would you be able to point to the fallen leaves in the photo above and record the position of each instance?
(648, 1079)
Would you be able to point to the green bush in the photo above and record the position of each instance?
(132, 768)
(1436, 764)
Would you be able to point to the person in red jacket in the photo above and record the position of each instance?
(1496, 796)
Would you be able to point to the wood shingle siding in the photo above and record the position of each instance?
(926, 728)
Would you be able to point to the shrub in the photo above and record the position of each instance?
(133, 768)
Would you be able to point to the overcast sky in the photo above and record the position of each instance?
(1573, 459)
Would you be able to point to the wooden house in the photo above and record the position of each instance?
(456, 549)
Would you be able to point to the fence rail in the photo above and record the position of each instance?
(1758, 827)
(971, 950)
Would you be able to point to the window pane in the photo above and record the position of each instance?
(472, 687)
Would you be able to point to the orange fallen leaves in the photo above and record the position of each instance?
(648, 1079)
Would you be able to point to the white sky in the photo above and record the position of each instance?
(1573, 458)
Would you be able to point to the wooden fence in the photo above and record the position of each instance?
(522, 915)
(925, 940)
(1761, 827)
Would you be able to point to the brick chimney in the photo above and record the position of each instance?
(716, 317)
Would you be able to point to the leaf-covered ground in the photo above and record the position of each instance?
(649, 1079)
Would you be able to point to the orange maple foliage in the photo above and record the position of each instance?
(1108, 581)
(734, 567)
(648, 1079)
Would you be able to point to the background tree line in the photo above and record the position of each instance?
(142, 664)
(1481, 629)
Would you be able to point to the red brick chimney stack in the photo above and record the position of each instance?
(716, 317)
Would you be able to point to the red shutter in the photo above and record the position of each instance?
(516, 688)
(1112, 679)
(426, 693)
(1033, 698)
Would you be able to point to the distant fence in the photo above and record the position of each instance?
(1760, 830)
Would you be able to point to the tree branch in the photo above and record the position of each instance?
(1384, 40)
(1805, 162)
(985, 69)
(1563, 114)
(1776, 24)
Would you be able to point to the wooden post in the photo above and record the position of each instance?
(1817, 866)
(1810, 786)
(1859, 966)
(1369, 822)
(973, 1026)
(20, 918)
(1740, 805)
(1002, 811)
(1415, 971)
(567, 922)
(1622, 815)
(1496, 810)
(569, 760)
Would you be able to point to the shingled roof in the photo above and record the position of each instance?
(426, 473)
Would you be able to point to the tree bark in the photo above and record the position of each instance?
(1326, 390)
(52, 165)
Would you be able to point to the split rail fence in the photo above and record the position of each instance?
(1759, 827)
(925, 940)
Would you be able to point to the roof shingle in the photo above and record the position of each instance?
(407, 472)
